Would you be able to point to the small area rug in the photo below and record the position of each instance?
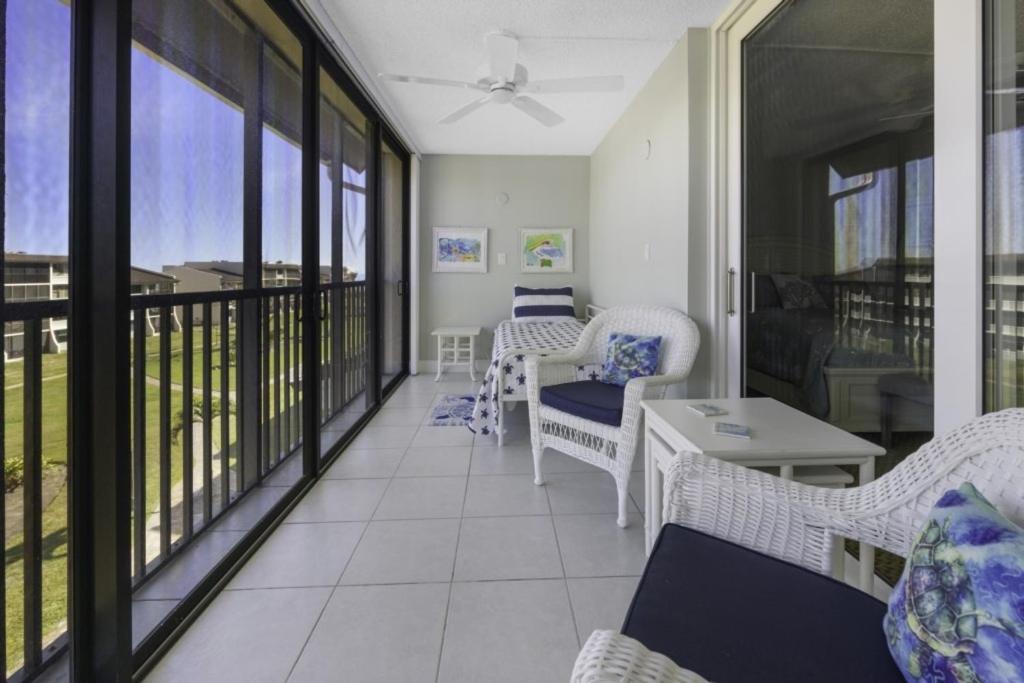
(452, 410)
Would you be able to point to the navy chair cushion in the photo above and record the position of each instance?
(590, 400)
(731, 614)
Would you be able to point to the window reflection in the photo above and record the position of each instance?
(1004, 205)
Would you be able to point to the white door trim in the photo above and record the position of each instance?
(725, 188)
(959, 212)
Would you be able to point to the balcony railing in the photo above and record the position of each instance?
(886, 317)
(1004, 341)
(187, 462)
(187, 427)
(35, 457)
(344, 346)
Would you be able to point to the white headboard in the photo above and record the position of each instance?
(591, 312)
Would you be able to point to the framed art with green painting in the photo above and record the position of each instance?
(546, 250)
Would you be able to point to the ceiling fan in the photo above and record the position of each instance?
(505, 81)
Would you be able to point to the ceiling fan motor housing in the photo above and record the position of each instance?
(484, 77)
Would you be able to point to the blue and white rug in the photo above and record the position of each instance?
(452, 410)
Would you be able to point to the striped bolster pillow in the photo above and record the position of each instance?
(543, 305)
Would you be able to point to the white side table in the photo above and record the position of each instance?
(456, 346)
(783, 437)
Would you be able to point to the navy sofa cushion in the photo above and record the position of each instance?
(731, 614)
(590, 400)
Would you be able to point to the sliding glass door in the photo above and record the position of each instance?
(216, 254)
(1004, 205)
(837, 243)
(345, 332)
(393, 220)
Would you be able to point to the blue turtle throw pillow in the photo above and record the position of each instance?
(957, 613)
(630, 356)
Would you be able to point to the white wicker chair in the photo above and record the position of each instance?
(610, 448)
(610, 657)
(799, 523)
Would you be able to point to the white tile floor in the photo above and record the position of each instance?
(425, 555)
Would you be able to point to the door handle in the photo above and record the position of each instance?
(753, 292)
(401, 288)
(730, 282)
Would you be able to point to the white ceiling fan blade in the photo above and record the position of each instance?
(465, 110)
(502, 50)
(532, 107)
(584, 84)
(398, 78)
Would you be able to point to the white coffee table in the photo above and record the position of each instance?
(782, 437)
(456, 346)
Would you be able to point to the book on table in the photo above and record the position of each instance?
(707, 409)
(733, 430)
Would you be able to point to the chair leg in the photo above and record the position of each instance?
(623, 488)
(538, 454)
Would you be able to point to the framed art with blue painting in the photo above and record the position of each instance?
(546, 250)
(460, 250)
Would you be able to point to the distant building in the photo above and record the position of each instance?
(213, 276)
(146, 282)
(44, 277)
(35, 277)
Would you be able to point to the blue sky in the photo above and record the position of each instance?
(186, 159)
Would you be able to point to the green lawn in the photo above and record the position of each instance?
(177, 344)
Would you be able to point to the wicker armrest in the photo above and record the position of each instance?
(784, 519)
(610, 657)
(542, 371)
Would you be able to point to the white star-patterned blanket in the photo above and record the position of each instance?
(506, 375)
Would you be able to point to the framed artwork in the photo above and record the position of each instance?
(545, 250)
(460, 250)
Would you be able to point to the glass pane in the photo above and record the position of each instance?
(35, 169)
(838, 217)
(282, 170)
(393, 269)
(36, 135)
(345, 335)
(216, 153)
(1004, 205)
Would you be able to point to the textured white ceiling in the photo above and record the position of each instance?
(558, 39)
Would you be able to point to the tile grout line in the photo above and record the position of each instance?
(451, 583)
(334, 589)
(366, 525)
(565, 577)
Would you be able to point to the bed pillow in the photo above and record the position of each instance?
(630, 356)
(795, 292)
(957, 613)
(543, 305)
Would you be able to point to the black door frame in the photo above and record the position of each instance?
(388, 137)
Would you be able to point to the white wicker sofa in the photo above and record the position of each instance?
(787, 529)
(610, 444)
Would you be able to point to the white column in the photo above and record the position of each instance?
(958, 212)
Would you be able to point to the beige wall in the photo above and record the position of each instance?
(458, 190)
(648, 227)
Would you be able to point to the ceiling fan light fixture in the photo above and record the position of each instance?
(502, 93)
